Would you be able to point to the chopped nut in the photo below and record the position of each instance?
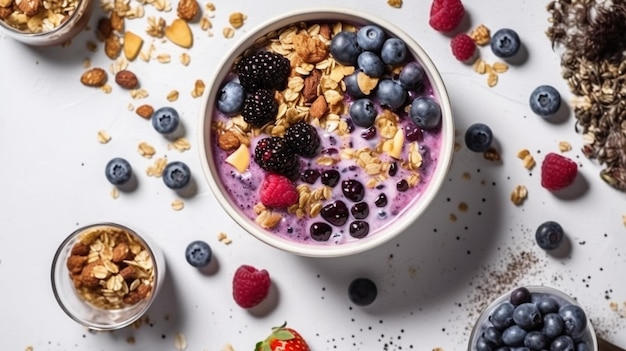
(145, 111)
(179, 33)
(29, 7)
(519, 194)
(395, 3)
(126, 79)
(113, 46)
(172, 96)
(94, 77)
(565, 146)
(132, 45)
(198, 88)
(187, 9)
(492, 154)
(104, 28)
(117, 22)
(228, 141)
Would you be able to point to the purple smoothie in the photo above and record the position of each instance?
(244, 187)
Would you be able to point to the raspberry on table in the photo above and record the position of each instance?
(557, 172)
(303, 138)
(446, 15)
(250, 286)
(259, 108)
(263, 70)
(278, 191)
(273, 154)
(463, 47)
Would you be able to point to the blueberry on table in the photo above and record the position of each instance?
(118, 171)
(370, 38)
(425, 113)
(519, 296)
(478, 137)
(363, 112)
(176, 175)
(230, 99)
(165, 120)
(371, 64)
(549, 235)
(198, 253)
(505, 43)
(411, 76)
(345, 48)
(545, 100)
(362, 291)
(394, 51)
(391, 94)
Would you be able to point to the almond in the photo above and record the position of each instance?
(95, 77)
(132, 45)
(179, 33)
(145, 111)
(126, 79)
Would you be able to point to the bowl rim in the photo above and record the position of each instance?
(543, 289)
(58, 263)
(357, 246)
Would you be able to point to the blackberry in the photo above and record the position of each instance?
(260, 107)
(263, 70)
(303, 138)
(274, 155)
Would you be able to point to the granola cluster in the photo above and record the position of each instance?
(36, 16)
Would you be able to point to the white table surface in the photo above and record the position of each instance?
(432, 280)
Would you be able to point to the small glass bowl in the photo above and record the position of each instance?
(101, 314)
(65, 31)
(483, 319)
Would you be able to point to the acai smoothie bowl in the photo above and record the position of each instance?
(326, 132)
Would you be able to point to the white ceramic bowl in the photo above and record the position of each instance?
(483, 319)
(101, 315)
(208, 139)
(66, 30)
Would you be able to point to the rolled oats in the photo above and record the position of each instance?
(198, 88)
(228, 32)
(139, 93)
(181, 144)
(565, 146)
(395, 3)
(178, 205)
(185, 59)
(492, 79)
(103, 137)
(156, 169)
(146, 150)
(236, 19)
(115, 193)
(481, 35)
(172, 96)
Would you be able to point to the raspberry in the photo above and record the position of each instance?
(263, 70)
(274, 155)
(463, 47)
(446, 15)
(303, 138)
(250, 286)
(259, 108)
(278, 191)
(557, 172)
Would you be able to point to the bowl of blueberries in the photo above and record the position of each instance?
(326, 132)
(533, 318)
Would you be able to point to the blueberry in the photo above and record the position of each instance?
(320, 231)
(352, 85)
(493, 335)
(309, 176)
(165, 120)
(363, 112)
(335, 213)
(370, 37)
(413, 133)
(553, 325)
(393, 168)
(360, 210)
(478, 137)
(513, 336)
(118, 171)
(231, 98)
(198, 253)
(381, 200)
(371, 64)
(545, 100)
(369, 133)
(563, 343)
(519, 296)
(176, 175)
(425, 113)
(345, 48)
(411, 76)
(549, 235)
(536, 340)
(359, 229)
(391, 94)
(527, 316)
(582, 346)
(502, 316)
(574, 319)
(330, 177)
(503, 348)
(505, 42)
(362, 291)
(547, 304)
(402, 185)
(482, 344)
(353, 189)
(393, 52)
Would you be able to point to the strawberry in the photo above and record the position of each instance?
(446, 15)
(250, 286)
(277, 191)
(557, 172)
(283, 339)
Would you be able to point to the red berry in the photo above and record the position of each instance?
(463, 47)
(278, 191)
(446, 15)
(250, 286)
(557, 172)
